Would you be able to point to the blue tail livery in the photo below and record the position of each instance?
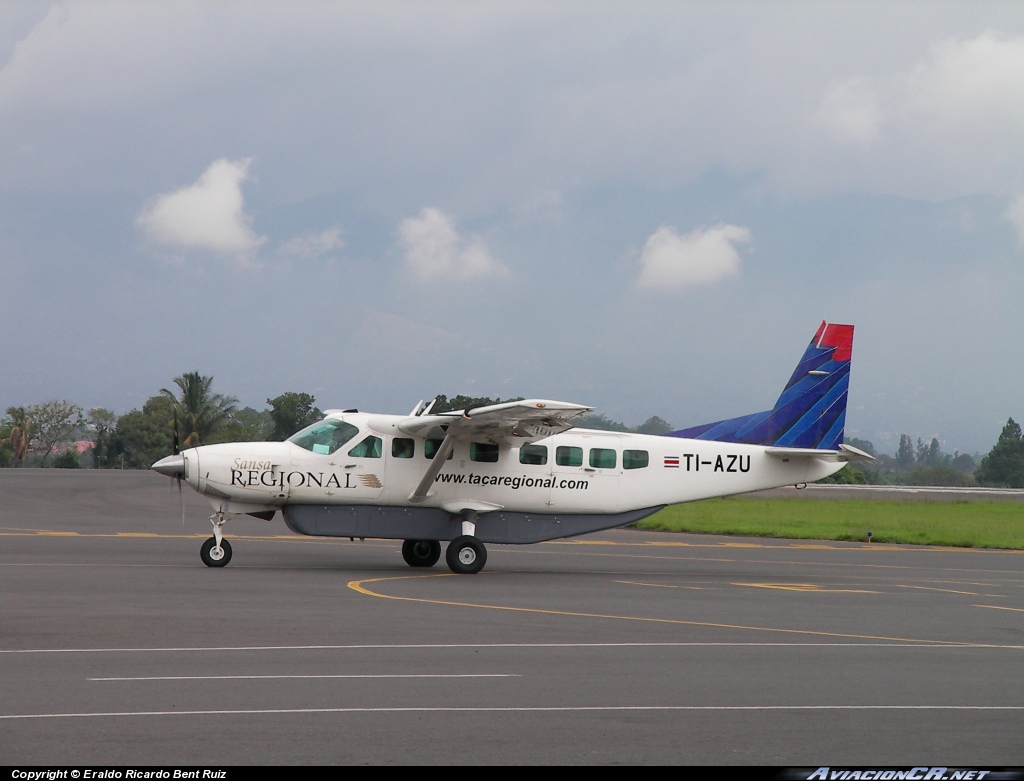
(810, 413)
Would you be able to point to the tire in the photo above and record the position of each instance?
(210, 559)
(466, 555)
(421, 553)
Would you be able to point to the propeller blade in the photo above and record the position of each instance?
(177, 448)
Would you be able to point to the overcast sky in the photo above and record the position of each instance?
(644, 207)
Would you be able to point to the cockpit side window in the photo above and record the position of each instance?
(324, 437)
(371, 447)
(403, 448)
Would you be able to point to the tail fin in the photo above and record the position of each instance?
(810, 413)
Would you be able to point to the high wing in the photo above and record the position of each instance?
(511, 423)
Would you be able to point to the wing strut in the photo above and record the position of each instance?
(423, 489)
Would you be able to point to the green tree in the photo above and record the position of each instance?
(920, 452)
(245, 425)
(55, 424)
(143, 437)
(444, 404)
(848, 475)
(69, 459)
(291, 412)
(963, 462)
(862, 444)
(19, 436)
(6, 451)
(905, 453)
(929, 454)
(938, 475)
(200, 411)
(654, 425)
(600, 422)
(102, 425)
(1004, 465)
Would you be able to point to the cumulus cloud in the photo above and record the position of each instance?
(673, 262)
(313, 245)
(850, 112)
(1015, 214)
(547, 205)
(977, 80)
(960, 86)
(435, 250)
(207, 215)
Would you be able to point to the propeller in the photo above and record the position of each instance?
(173, 466)
(181, 503)
(174, 441)
(177, 451)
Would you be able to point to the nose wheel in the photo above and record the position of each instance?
(216, 551)
(214, 555)
(466, 555)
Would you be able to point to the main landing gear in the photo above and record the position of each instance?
(421, 553)
(465, 555)
(216, 551)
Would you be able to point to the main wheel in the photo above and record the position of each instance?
(466, 555)
(213, 556)
(421, 553)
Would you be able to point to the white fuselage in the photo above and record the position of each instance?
(580, 471)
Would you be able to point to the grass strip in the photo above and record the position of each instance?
(961, 524)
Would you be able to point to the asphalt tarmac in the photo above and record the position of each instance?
(117, 646)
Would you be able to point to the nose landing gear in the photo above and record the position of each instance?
(214, 555)
(216, 551)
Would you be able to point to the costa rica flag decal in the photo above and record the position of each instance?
(672, 461)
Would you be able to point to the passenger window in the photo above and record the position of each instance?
(635, 459)
(403, 448)
(431, 446)
(483, 451)
(371, 447)
(324, 437)
(568, 456)
(602, 458)
(537, 455)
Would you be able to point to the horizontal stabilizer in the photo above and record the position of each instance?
(845, 453)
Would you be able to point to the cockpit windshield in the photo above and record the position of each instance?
(324, 437)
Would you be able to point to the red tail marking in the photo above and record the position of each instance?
(819, 332)
(838, 336)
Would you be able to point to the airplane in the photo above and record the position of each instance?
(516, 472)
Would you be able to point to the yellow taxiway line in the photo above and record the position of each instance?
(359, 587)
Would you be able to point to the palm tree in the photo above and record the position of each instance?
(199, 411)
(21, 434)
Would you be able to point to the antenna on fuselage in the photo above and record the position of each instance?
(429, 407)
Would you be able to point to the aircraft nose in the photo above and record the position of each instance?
(172, 466)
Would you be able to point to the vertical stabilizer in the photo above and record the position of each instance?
(810, 413)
